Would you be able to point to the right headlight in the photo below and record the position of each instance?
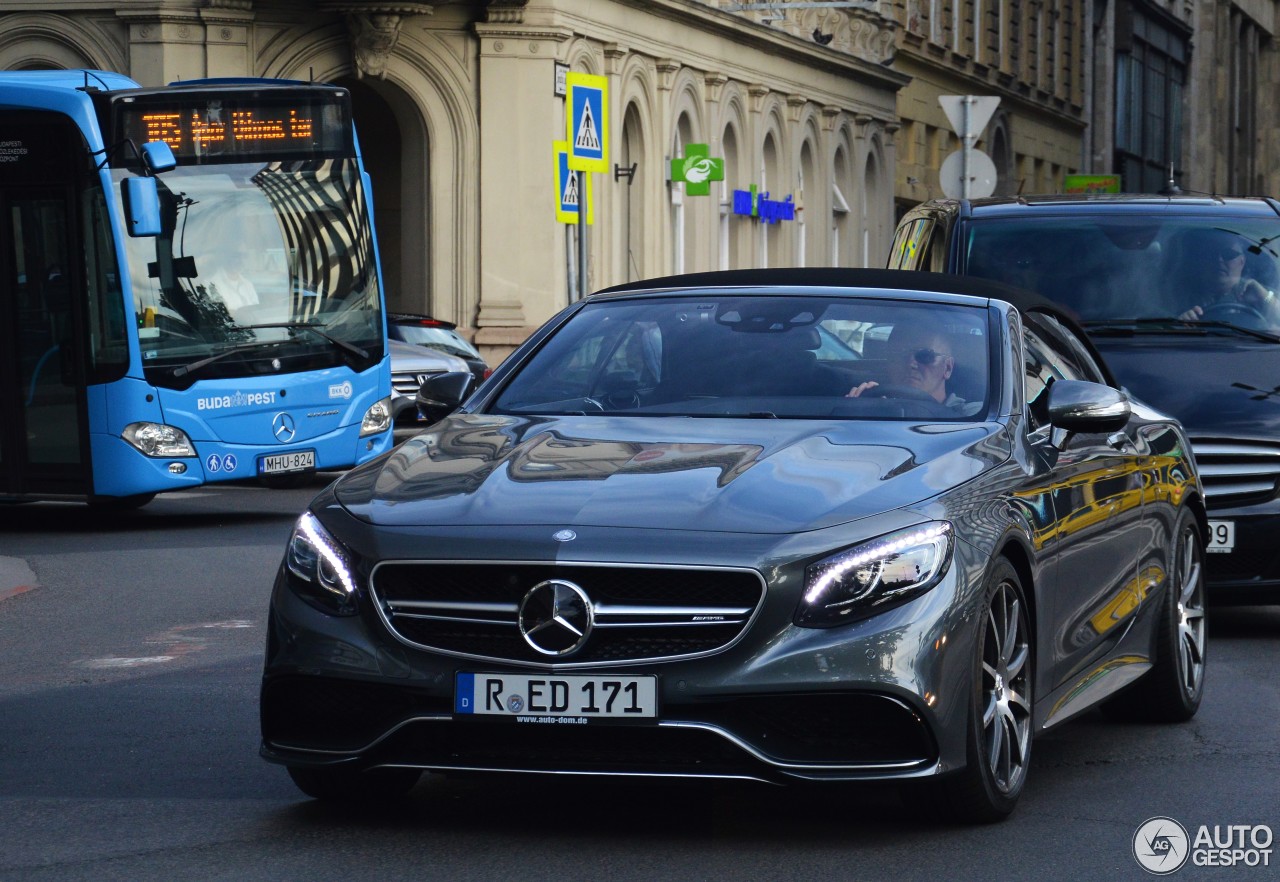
(875, 575)
(321, 568)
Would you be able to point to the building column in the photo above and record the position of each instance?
(523, 273)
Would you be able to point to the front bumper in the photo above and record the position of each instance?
(883, 698)
(1250, 572)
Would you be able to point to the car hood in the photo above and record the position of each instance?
(748, 476)
(408, 358)
(1216, 386)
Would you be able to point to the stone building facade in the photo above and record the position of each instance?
(831, 109)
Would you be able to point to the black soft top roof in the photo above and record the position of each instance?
(1026, 302)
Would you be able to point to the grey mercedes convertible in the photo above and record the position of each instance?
(778, 525)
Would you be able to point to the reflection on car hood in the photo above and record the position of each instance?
(1215, 386)
(750, 476)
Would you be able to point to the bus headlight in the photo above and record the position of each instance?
(875, 575)
(321, 568)
(158, 440)
(377, 418)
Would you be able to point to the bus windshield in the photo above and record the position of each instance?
(261, 268)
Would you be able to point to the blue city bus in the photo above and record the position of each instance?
(189, 287)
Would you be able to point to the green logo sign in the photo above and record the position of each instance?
(697, 170)
(1091, 184)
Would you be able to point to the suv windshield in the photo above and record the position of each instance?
(1127, 269)
(257, 263)
(760, 357)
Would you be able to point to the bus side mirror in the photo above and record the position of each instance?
(158, 157)
(141, 206)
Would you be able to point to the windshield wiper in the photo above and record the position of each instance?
(1129, 327)
(185, 369)
(294, 326)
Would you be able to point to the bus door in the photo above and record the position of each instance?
(42, 439)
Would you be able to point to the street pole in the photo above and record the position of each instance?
(965, 144)
(582, 234)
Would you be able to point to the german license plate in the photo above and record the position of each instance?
(1222, 536)
(535, 698)
(293, 461)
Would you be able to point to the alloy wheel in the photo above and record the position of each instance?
(1190, 611)
(1006, 679)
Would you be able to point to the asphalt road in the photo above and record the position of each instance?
(130, 651)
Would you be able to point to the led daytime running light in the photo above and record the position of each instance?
(874, 552)
(320, 540)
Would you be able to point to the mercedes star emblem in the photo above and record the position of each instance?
(556, 617)
(283, 428)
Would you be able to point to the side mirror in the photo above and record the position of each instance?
(441, 394)
(141, 206)
(158, 157)
(1091, 408)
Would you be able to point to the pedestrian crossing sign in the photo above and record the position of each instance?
(588, 122)
(567, 196)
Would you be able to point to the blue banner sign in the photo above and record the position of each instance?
(771, 211)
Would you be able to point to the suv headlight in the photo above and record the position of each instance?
(158, 440)
(321, 567)
(377, 418)
(875, 575)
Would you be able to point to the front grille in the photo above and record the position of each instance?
(407, 383)
(640, 613)
(1236, 472)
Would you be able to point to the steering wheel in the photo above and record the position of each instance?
(1236, 313)
(898, 390)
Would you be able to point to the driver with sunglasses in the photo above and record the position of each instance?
(1217, 262)
(919, 359)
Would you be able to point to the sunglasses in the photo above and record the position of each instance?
(922, 357)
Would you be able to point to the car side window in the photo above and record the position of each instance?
(1044, 364)
(1070, 350)
(911, 245)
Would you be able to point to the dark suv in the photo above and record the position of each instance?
(1180, 295)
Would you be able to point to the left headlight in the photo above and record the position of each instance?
(377, 418)
(321, 567)
(158, 440)
(875, 575)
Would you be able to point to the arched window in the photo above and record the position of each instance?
(633, 237)
(807, 193)
(770, 177)
(728, 232)
(840, 187)
(682, 232)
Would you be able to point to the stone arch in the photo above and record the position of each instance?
(34, 41)
(812, 188)
(734, 136)
(690, 215)
(875, 199)
(637, 246)
(999, 145)
(438, 213)
(842, 223)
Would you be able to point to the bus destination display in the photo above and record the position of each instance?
(232, 129)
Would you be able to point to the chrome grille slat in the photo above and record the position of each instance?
(470, 609)
(1237, 472)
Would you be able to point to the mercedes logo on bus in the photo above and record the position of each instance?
(283, 428)
(556, 617)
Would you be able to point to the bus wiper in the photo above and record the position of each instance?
(1129, 327)
(185, 369)
(293, 326)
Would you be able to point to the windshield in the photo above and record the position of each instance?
(1139, 269)
(258, 263)
(760, 357)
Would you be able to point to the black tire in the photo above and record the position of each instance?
(351, 785)
(999, 742)
(1171, 691)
